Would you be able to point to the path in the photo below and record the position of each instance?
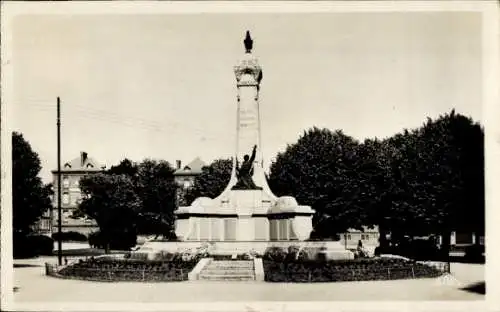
(35, 286)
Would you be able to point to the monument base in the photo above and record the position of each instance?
(244, 215)
(332, 250)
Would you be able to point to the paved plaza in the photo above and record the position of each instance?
(34, 286)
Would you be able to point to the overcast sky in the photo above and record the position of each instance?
(162, 86)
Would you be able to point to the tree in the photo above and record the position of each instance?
(112, 201)
(30, 197)
(153, 183)
(126, 167)
(376, 183)
(157, 189)
(212, 181)
(320, 170)
(451, 169)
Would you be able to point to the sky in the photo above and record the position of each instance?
(162, 86)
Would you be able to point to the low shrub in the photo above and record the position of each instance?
(417, 249)
(110, 269)
(138, 256)
(345, 270)
(275, 254)
(474, 253)
(244, 256)
(28, 246)
(118, 241)
(164, 256)
(69, 236)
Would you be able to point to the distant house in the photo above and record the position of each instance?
(368, 237)
(71, 173)
(464, 239)
(184, 176)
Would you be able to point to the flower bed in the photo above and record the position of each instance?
(230, 257)
(308, 271)
(109, 269)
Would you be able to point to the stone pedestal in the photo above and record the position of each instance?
(253, 215)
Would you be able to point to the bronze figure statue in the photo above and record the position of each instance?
(244, 173)
(248, 43)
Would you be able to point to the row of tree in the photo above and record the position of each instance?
(420, 181)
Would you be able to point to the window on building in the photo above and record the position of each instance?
(90, 166)
(349, 236)
(65, 182)
(65, 198)
(187, 184)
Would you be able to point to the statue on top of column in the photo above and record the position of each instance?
(244, 173)
(248, 43)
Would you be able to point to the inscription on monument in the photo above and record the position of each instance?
(248, 118)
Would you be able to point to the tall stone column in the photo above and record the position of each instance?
(248, 77)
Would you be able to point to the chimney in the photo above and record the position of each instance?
(178, 162)
(83, 158)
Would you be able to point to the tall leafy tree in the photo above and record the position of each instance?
(211, 182)
(112, 201)
(451, 169)
(377, 184)
(157, 189)
(126, 167)
(30, 197)
(320, 170)
(152, 181)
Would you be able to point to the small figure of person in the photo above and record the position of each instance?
(65, 261)
(361, 251)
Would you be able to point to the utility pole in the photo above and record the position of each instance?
(59, 217)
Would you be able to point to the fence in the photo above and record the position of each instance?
(117, 274)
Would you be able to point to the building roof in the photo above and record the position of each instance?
(194, 167)
(82, 163)
(365, 230)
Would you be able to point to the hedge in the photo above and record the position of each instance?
(418, 249)
(118, 241)
(345, 270)
(28, 246)
(69, 236)
(109, 269)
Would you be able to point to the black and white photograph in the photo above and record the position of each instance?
(156, 154)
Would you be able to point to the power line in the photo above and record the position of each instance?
(135, 122)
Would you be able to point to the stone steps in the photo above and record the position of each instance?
(232, 267)
(228, 270)
(214, 277)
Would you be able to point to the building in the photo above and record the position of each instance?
(184, 176)
(464, 239)
(71, 173)
(369, 237)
